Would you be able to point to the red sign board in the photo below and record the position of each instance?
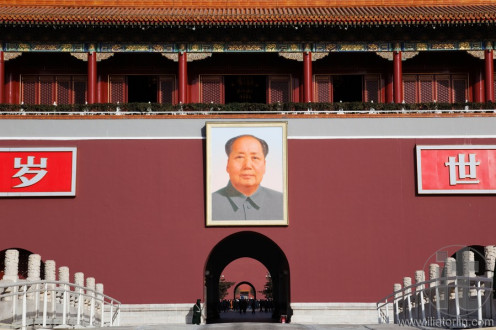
(37, 172)
(460, 169)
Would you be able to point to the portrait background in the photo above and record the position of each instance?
(273, 178)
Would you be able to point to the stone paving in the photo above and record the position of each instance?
(260, 321)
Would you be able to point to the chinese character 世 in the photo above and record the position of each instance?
(462, 173)
(27, 169)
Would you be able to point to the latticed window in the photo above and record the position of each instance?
(443, 89)
(426, 89)
(323, 89)
(63, 90)
(279, 89)
(167, 90)
(372, 88)
(47, 89)
(29, 85)
(212, 89)
(117, 89)
(410, 89)
(460, 89)
(80, 87)
(439, 88)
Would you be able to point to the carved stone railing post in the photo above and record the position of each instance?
(90, 300)
(419, 278)
(490, 257)
(450, 271)
(64, 297)
(407, 281)
(434, 274)
(50, 276)
(11, 269)
(34, 270)
(468, 267)
(397, 301)
(79, 281)
(99, 303)
(34, 267)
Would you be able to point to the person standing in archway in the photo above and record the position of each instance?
(197, 312)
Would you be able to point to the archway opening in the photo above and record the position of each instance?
(253, 245)
(245, 290)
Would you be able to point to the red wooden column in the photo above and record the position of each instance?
(92, 78)
(488, 58)
(2, 78)
(307, 77)
(183, 77)
(397, 77)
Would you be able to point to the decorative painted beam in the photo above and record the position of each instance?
(239, 47)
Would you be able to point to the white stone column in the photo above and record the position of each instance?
(99, 302)
(419, 290)
(90, 301)
(64, 296)
(407, 281)
(419, 277)
(34, 267)
(50, 276)
(78, 280)
(434, 273)
(90, 284)
(450, 271)
(64, 274)
(468, 265)
(11, 269)
(490, 257)
(397, 302)
(79, 301)
(34, 270)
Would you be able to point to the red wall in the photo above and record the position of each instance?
(137, 223)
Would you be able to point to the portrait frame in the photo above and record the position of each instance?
(275, 177)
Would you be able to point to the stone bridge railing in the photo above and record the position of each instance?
(447, 301)
(50, 302)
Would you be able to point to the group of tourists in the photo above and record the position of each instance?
(242, 305)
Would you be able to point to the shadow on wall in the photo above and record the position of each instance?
(188, 319)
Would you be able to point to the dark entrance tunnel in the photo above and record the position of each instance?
(251, 245)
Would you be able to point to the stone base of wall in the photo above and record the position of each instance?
(334, 313)
(156, 314)
(303, 313)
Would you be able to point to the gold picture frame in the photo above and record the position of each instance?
(247, 176)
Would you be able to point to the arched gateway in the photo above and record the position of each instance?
(252, 245)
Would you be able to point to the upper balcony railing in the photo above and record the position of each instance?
(340, 108)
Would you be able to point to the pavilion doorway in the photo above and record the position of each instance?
(246, 89)
(142, 89)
